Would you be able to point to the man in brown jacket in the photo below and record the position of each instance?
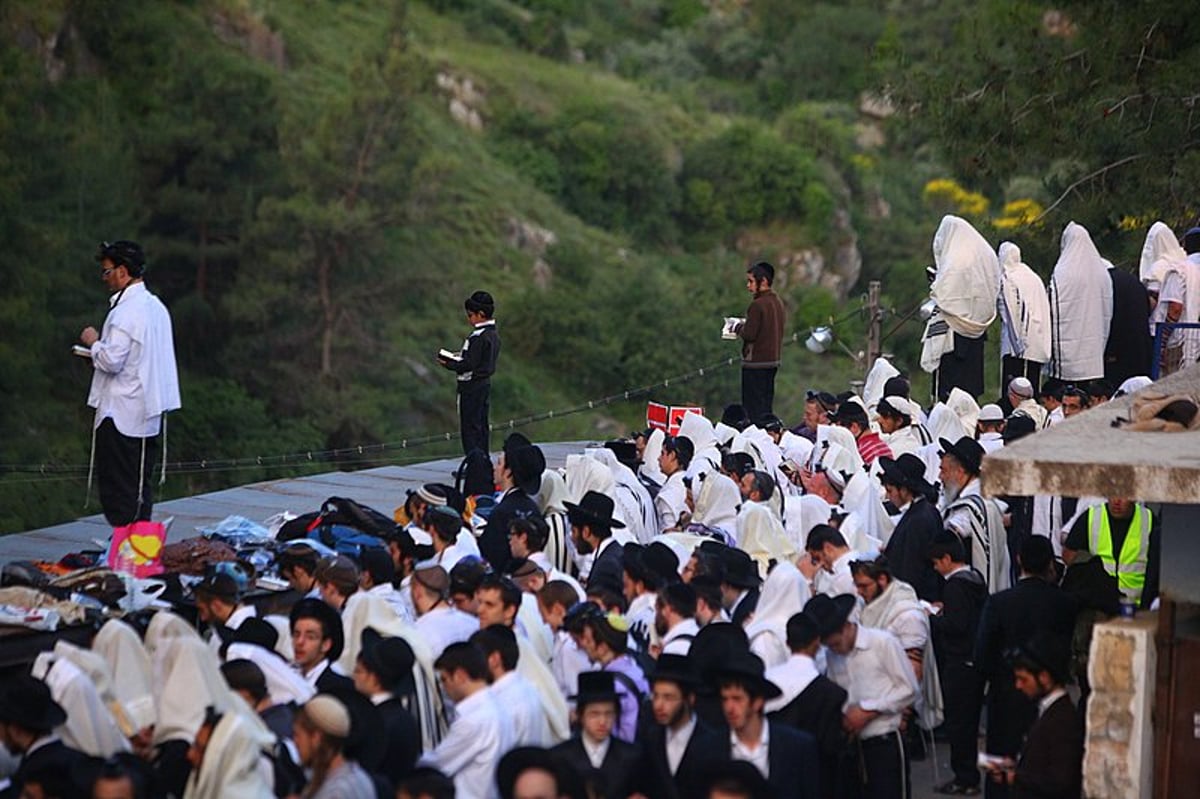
(762, 337)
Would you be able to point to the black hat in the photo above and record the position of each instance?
(525, 758)
(595, 686)
(748, 668)
(219, 584)
(1045, 650)
(741, 571)
(830, 613)
(822, 398)
(966, 451)
(526, 464)
(26, 701)
(626, 452)
(769, 422)
(123, 253)
(674, 668)
(1018, 426)
(256, 631)
(735, 416)
(907, 471)
(390, 659)
(662, 560)
(513, 441)
(897, 386)
(849, 411)
(593, 509)
(311, 608)
(481, 302)
(741, 775)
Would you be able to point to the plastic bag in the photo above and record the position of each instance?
(137, 549)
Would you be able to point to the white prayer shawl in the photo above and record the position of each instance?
(530, 623)
(804, 513)
(1162, 257)
(131, 670)
(845, 458)
(1026, 305)
(881, 372)
(284, 684)
(233, 761)
(90, 726)
(187, 680)
(670, 503)
(760, 533)
(1134, 385)
(550, 498)
(363, 611)
(980, 523)
(759, 445)
(707, 457)
(650, 468)
(1191, 306)
(165, 627)
(724, 434)
(909, 438)
(965, 288)
(717, 503)
(966, 409)
(867, 528)
(634, 502)
(554, 703)
(1081, 308)
(96, 669)
(900, 598)
(783, 595)
(796, 449)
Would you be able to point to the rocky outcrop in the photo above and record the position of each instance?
(464, 100)
(533, 240)
(252, 35)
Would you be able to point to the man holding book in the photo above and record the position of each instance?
(475, 365)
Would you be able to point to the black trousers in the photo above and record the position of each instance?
(885, 768)
(962, 698)
(118, 465)
(1012, 366)
(758, 392)
(1010, 714)
(474, 402)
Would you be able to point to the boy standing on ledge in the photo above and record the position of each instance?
(475, 366)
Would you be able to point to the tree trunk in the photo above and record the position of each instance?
(328, 315)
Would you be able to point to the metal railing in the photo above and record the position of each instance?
(1168, 358)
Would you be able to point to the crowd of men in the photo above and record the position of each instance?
(742, 609)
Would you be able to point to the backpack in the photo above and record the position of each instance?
(474, 475)
(354, 520)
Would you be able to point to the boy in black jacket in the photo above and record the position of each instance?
(475, 367)
(953, 628)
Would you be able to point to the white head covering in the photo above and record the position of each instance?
(90, 726)
(132, 675)
(1081, 307)
(881, 371)
(1160, 253)
(649, 468)
(966, 409)
(867, 528)
(584, 474)
(842, 452)
(1028, 306)
(187, 680)
(707, 457)
(1134, 385)
(717, 502)
(284, 684)
(805, 512)
(553, 493)
(633, 503)
(166, 626)
(230, 769)
(783, 595)
(968, 277)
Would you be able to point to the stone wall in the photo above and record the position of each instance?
(1118, 761)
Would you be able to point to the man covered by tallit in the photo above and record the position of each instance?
(1163, 271)
(965, 287)
(1081, 308)
(1024, 318)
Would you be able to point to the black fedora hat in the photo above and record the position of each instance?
(255, 631)
(1044, 650)
(674, 668)
(525, 758)
(830, 613)
(1018, 426)
(907, 471)
(26, 702)
(595, 686)
(391, 659)
(966, 451)
(740, 569)
(593, 509)
(748, 669)
(526, 464)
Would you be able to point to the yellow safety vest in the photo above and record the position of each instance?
(1130, 566)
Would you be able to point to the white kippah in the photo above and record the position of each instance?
(1021, 387)
(328, 715)
(991, 413)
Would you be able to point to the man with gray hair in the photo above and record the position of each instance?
(1021, 398)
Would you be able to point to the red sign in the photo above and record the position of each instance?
(668, 417)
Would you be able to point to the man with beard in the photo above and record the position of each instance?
(976, 520)
(904, 483)
(592, 524)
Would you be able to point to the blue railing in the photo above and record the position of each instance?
(1162, 332)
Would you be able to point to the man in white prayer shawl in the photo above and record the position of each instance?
(229, 758)
(873, 389)
(132, 674)
(783, 595)
(1163, 270)
(760, 532)
(630, 495)
(91, 727)
(1081, 308)
(550, 499)
(1024, 318)
(707, 456)
(965, 287)
(900, 426)
(977, 520)
(671, 502)
(716, 506)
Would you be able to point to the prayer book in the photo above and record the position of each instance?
(447, 355)
(81, 351)
(729, 330)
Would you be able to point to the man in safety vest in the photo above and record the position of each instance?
(1123, 534)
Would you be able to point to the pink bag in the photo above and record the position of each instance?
(136, 549)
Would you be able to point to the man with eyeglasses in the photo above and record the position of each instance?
(134, 383)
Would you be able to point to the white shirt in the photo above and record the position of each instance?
(450, 556)
(541, 560)
(522, 704)
(477, 739)
(444, 625)
(1049, 699)
(568, 661)
(641, 613)
(759, 756)
(674, 644)
(991, 442)
(596, 752)
(838, 579)
(134, 379)
(877, 676)
(677, 743)
(671, 501)
(315, 673)
(792, 677)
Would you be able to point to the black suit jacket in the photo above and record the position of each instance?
(908, 549)
(55, 759)
(616, 778)
(707, 745)
(1051, 762)
(365, 745)
(403, 740)
(818, 711)
(609, 568)
(746, 607)
(493, 541)
(795, 771)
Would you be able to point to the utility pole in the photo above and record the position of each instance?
(874, 324)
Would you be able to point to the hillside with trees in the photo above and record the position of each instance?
(319, 184)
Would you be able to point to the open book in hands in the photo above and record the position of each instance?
(730, 329)
(81, 351)
(447, 355)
